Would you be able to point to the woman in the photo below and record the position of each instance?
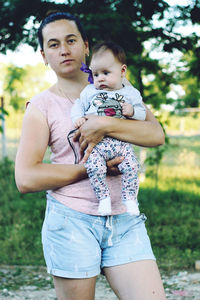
(78, 243)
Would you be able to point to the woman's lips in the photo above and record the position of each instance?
(67, 61)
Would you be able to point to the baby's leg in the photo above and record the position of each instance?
(130, 182)
(96, 170)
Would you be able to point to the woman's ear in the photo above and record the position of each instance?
(87, 50)
(44, 57)
(123, 70)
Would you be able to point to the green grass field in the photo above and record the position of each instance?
(172, 208)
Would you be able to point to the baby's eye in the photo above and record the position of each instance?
(95, 75)
(105, 72)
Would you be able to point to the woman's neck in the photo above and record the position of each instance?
(70, 87)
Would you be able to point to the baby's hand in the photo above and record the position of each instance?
(127, 109)
(79, 122)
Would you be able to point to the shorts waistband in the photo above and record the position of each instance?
(103, 220)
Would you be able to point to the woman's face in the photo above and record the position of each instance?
(64, 48)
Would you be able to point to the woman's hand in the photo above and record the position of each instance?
(112, 165)
(146, 133)
(90, 134)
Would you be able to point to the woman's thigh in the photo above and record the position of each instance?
(75, 289)
(70, 244)
(138, 280)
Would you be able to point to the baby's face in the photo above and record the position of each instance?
(107, 71)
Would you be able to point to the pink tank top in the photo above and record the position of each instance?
(78, 196)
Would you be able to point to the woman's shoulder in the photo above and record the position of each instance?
(44, 101)
(41, 97)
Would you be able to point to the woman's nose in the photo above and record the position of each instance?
(64, 49)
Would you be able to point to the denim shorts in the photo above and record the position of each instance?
(78, 245)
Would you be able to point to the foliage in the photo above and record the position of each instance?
(156, 88)
(20, 221)
(132, 23)
(155, 155)
(189, 79)
(14, 82)
(138, 22)
(15, 15)
(21, 84)
(153, 161)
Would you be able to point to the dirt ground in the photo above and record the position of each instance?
(32, 283)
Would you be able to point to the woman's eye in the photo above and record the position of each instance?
(53, 45)
(71, 41)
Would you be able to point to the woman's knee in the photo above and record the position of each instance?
(75, 289)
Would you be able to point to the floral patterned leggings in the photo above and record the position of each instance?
(108, 149)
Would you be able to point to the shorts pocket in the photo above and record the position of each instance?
(55, 221)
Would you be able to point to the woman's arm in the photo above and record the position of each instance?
(31, 173)
(146, 133)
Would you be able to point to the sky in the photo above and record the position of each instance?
(24, 55)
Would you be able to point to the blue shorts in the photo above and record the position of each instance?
(77, 245)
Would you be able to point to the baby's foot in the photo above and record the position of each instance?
(105, 207)
(132, 207)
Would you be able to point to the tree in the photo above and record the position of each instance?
(127, 22)
(189, 79)
(21, 84)
(124, 18)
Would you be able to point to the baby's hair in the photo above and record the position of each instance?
(116, 50)
(52, 16)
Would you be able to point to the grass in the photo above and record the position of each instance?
(20, 221)
(173, 225)
(172, 208)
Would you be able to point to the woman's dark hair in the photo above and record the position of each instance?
(53, 16)
(116, 50)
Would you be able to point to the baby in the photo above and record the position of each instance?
(109, 97)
